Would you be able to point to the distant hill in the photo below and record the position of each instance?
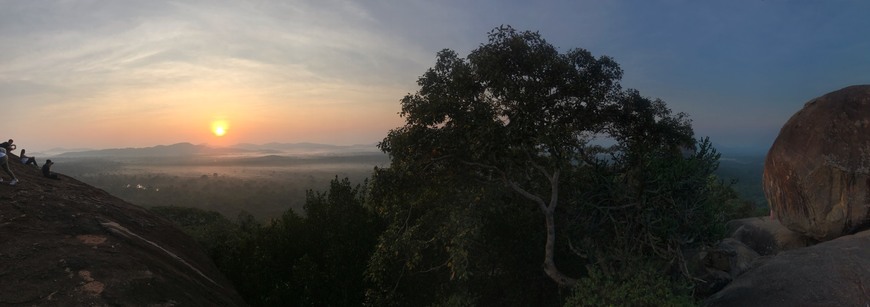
(188, 149)
(56, 151)
(156, 151)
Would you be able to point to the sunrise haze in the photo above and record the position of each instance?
(108, 74)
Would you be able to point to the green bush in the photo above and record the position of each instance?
(642, 286)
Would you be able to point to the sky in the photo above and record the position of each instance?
(113, 74)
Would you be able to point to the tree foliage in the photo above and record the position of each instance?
(315, 260)
(641, 285)
(512, 136)
(516, 111)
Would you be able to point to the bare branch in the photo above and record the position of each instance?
(526, 194)
(536, 165)
(436, 267)
(554, 189)
(481, 165)
(576, 251)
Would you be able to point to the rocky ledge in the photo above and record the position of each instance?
(65, 243)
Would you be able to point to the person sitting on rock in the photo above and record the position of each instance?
(46, 170)
(28, 160)
(8, 146)
(4, 164)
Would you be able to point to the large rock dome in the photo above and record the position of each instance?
(817, 172)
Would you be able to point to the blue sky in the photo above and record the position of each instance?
(104, 74)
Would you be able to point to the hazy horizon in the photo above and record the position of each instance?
(271, 148)
(86, 74)
(726, 150)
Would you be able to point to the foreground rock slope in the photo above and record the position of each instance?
(65, 243)
(832, 273)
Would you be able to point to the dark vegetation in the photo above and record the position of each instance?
(317, 260)
(496, 195)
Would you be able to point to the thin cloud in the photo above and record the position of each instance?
(76, 62)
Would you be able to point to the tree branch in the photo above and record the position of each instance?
(537, 166)
(526, 194)
(554, 189)
(548, 210)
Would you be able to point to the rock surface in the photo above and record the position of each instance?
(749, 239)
(766, 236)
(817, 173)
(832, 273)
(65, 243)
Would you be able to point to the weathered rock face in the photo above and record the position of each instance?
(750, 239)
(832, 273)
(766, 236)
(817, 173)
(65, 243)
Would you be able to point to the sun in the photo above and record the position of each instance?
(219, 127)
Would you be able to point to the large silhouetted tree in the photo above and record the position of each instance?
(511, 126)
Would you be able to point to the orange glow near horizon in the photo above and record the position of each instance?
(218, 117)
(219, 127)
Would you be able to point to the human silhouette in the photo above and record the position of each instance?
(4, 164)
(28, 160)
(46, 170)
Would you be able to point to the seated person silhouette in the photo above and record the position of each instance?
(28, 160)
(46, 170)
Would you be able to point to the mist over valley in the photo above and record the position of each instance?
(267, 179)
(263, 180)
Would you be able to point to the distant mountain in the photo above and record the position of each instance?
(56, 151)
(188, 149)
(174, 150)
(310, 148)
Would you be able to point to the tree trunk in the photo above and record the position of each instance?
(550, 221)
(549, 251)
